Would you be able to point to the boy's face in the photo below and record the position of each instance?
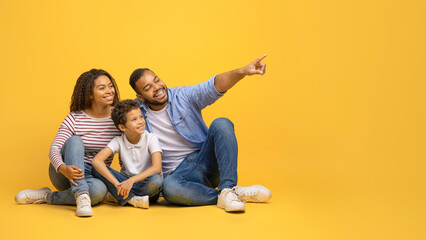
(135, 123)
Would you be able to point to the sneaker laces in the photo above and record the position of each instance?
(83, 200)
(36, 197)
(230, 195)
(247, 193)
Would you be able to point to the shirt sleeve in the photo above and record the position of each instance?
(154, 145)
(203, 94)
(66, 130)
(114, 145)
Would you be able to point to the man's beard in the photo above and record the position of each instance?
(158, 103)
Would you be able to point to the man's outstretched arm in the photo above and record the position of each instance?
(224, 81)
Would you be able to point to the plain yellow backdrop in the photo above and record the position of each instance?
(335, 128)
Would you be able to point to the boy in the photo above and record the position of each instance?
(139, 179)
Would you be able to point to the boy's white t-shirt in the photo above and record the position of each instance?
(175, 147)
(136, 158)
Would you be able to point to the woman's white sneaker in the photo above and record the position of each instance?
(255, 193)
(139, 201)
(84, 207)
(33, 196)
(229, 201)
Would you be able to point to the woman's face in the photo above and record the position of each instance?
(103, 91)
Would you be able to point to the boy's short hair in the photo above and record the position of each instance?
(121, 109)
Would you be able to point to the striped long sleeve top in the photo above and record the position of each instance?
(96, 133)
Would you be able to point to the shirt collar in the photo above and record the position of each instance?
(142, 104)
(130, 145)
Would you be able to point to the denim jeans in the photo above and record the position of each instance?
(150, 186)
(195, 180)
(73, 154)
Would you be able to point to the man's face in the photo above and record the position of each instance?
(152, 91)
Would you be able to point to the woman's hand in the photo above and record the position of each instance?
(71, 172)
(124, 187)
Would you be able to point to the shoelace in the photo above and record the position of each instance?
(36, 197)
(83, 201)
(230, 195)
(248, 194)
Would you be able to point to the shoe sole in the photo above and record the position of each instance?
(232, 210)
(235, 210)
(88, 214)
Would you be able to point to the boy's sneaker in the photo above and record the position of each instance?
(139, 201)
(84, 208)
(229, 201)
(33, 196)
(255, 193)
(109, 198)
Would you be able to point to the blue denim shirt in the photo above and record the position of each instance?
(184, 108)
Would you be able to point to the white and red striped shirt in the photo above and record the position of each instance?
(96, 133)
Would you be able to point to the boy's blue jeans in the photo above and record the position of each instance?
(195, 180)
(150, 186)
(73, 154)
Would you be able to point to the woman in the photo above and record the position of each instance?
(86, 130)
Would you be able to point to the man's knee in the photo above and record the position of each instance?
(168, 187)
(172, 190)
(222, 125)
(97, 191)
(155, 184)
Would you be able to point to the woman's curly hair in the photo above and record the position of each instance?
(83, 90)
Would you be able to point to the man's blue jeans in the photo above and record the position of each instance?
(195, 180)
(150, 186)
(73, 154)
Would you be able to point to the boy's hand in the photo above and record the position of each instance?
(124, 187)
(71, 172)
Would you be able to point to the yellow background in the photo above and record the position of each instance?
(335, 128)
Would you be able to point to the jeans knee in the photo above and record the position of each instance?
(170, 189)
(75, 141)
(97, 192)
(155, 184)
(73, 145)
(222, 125)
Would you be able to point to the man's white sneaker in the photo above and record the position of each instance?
(33, 196)
(255, 193)
(229, 201)
(84, 208)
(109, 198)
(139, 201)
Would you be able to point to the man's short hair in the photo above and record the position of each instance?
(138, 73)
(121, 109)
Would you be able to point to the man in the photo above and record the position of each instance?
(196, 159)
